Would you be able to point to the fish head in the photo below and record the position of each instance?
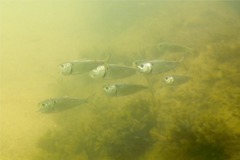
(99, 72)
(110, 90)
(144, 67)
(168, 79)
(47, 106)
(66, 68)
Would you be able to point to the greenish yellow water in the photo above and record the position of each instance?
(198, 120)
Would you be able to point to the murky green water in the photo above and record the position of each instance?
(195, 120)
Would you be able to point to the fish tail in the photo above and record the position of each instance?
(150, 85)
(91, 101)
(88, 99)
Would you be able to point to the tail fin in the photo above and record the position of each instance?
(150, 85)
(88, 99)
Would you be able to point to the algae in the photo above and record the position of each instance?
(123, 135)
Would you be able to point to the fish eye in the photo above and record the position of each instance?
(63, 65)
(107, 87)
(142, 65)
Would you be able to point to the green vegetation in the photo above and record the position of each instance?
(120, 135)
(198, 137)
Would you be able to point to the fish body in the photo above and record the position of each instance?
(155, 66)
(60, 104)
(176, 79)
(79, 67)
(121, 89)
(172, 47)
(112, 71)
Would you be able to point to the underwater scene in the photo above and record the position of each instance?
(119, 80)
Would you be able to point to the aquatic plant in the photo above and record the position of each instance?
(122, 134)
(198, 137)
(131, 136)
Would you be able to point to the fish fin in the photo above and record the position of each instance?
(108, 56)
(106, 60)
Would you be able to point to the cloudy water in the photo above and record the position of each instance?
(182, 102)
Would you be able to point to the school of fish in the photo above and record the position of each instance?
(100, 69)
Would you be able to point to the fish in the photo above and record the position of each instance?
(173, 47)
(79, 67)
(122, 89)
(176, 79)
(60, 104)
(155, 66)
(112, 71)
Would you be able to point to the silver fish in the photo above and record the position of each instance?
(60, 104)
(176, 79)
(79, 67)
(155, 66)
(112, 71)
(122, 89)
(173, 47)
